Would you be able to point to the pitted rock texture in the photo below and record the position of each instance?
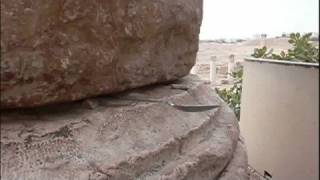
(237, 168)
(65, 50)
(125, 140)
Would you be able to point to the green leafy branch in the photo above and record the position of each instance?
(232, 96)
(302, 50)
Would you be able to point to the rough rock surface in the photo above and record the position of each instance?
(120, 139)
(64, 50)
(237, 168)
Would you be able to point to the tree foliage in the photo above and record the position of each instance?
(302, 50)
(232, 96)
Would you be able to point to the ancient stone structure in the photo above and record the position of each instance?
(64, 50)
(121, 139)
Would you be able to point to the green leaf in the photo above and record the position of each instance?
(292, 35)
(291, 41)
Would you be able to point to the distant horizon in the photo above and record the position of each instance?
(234, 19)
(255, 36)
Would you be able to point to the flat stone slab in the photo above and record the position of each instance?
(121, 139)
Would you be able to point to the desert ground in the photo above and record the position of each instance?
(222, 51)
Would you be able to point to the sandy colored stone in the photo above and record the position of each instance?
(122, 139)
(65, 50)
(237, 168)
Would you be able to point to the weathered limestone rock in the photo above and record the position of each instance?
(64, 50)
(237, 168)
(123, 139)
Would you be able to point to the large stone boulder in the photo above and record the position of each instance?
(65, 50)
(122, 139)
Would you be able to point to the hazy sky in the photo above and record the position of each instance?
(244, 18)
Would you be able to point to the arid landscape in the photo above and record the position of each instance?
(240, 50)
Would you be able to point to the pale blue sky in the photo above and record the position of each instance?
(244, 18)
